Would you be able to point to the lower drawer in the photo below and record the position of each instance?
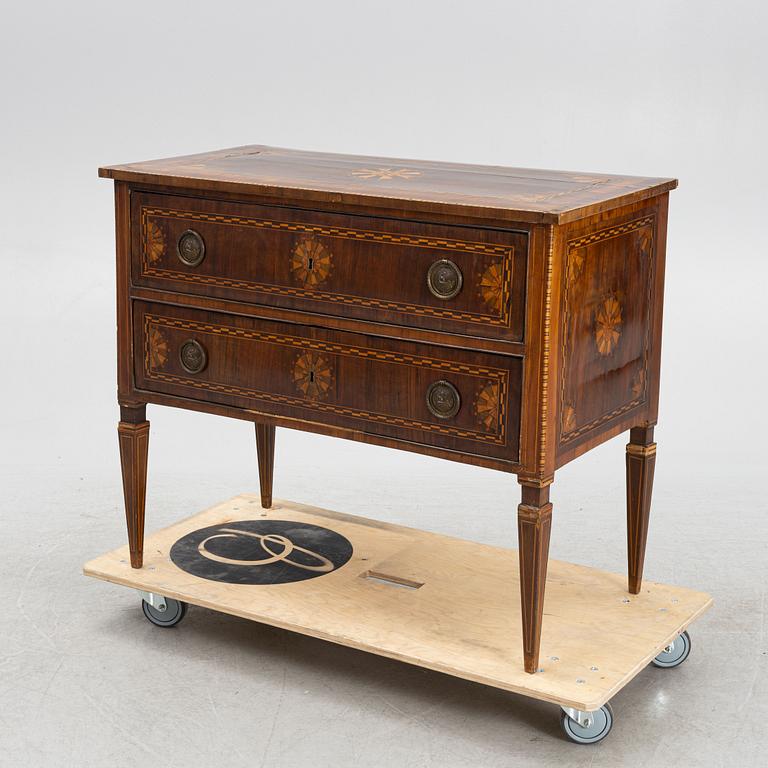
(451, 399)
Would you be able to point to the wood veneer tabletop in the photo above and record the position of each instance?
(498, 192)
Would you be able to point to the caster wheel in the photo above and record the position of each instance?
(675, 653)
(174, 612)
(598, 729)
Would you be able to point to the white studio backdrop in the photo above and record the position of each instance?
(658, 88)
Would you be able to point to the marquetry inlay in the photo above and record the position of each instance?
(569, 417)
(643, 451)
(613, 320)
(576, 265)
(385, 174)
(487, 405)
(316, 288)
(312, 375)
(158, 348)
(318, 347)
(638, 383)
(608, 324)
(491, 286)
(154, 245)
(310, 261)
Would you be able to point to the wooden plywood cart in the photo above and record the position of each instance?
(434, 601)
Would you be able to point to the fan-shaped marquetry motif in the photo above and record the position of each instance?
(487, 405)
(645, 241)
(154, 242)
(638, 383)
(492, 286)
(576, 264)
(158, 348)
(312, 375)
(569, 418)
(608, 325)
(310, 262)
(385, 174)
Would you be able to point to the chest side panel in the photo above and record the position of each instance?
(608, 336)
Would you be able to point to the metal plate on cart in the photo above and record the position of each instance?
(261, 552)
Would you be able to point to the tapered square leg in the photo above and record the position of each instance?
(265, 450)
(133, 435)
(534, 521)
(641, 462)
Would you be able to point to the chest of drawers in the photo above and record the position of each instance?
(506, 318)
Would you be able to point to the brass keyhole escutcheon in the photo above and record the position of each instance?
(193, 356)
(444, 279)
(190, 248)
(443, 400)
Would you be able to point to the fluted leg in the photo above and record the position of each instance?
(265, 450)
(133, 435)
(534, 519)
(641, 461)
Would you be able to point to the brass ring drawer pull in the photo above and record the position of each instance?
(190, 248)
(444, 279)
(443, 400)
(193, 356)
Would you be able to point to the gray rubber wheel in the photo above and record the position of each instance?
(601, 725)
(174, 612)
(678, 654)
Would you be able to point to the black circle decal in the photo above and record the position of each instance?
(261, 552)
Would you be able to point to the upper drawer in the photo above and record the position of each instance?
(445, 278)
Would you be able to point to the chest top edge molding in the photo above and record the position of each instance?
(424, 187)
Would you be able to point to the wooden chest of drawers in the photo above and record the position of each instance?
(500, 317)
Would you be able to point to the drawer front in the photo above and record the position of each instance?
(455, 400)
(454, 279)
